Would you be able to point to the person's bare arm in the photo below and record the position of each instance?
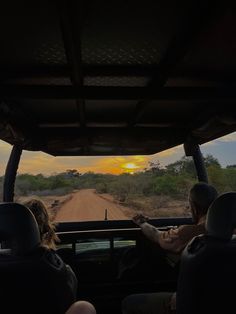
(151, 232)
(168, 240)
(148, 230)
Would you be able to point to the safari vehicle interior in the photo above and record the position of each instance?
(108, 78)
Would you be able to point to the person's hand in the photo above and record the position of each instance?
(140, 219)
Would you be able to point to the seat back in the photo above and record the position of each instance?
(208, 264)
(19, 228)
(33, 278)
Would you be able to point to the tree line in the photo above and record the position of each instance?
(173, 180)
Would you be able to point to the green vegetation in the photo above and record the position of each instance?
(172, 181)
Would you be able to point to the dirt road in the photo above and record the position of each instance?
(88, 205)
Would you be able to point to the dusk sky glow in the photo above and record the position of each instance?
(224, 149)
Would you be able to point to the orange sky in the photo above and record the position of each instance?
(33, 162)
(37, 162)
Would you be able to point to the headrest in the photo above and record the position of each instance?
(18, 227)
(221, 217)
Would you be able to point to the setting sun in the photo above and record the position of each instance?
(130, 167)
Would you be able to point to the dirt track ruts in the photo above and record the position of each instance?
(88, 205)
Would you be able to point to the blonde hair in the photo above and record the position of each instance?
(46, 226)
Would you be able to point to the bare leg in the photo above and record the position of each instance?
(81, 307)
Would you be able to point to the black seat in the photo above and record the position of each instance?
(33, 279)
(208, 265)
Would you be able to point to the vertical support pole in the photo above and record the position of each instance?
(192, 149)
(10, 174)
(105, 214)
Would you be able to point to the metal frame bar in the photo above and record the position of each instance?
(194, 20)
(193, 149)
(10, 174)
(117, 93)
(200, 166)
(71, 37)
(112, 70)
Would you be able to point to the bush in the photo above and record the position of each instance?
(217, 178)
(165, 185)
(101, 187)
(172, 185)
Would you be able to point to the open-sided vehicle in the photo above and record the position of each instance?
(106, 78)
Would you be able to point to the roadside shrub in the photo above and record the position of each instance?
(101, 187)
(217, 178)
(174, 186)
(165, 185)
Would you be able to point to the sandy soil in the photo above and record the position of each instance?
(87, 205)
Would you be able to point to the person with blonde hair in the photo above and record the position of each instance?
(49, 239)
(48, 235)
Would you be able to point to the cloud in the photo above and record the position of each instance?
(116, 164)
(5, 147)
(5, 150)
(227, 138)
(38, 162)
(170, 152)
(168, 156)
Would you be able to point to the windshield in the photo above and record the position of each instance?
(118, 187)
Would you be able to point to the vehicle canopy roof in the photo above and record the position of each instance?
(116, 77)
